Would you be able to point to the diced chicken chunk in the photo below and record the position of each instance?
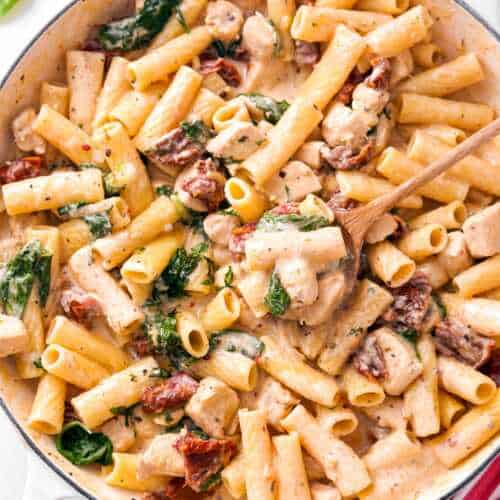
(238, 141)
(259, 37)
(320, 491)
(14, 338)
(299, 280)
(482, 232)
(271, 396)
(213, 406)
(455, 258)
(161, 458)
(219, 227)
(343, 126)
(366, 98)
(293, 183)
(121, 435)
(26, 139)
(224, 20)
(382, 228)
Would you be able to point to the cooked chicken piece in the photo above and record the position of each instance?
(14, 337)
(259, 37)
(26, 139)
(238, 141)
(161, 458)
(482, 232)
(213, 406)
(224, 20)
(219, 227)
(320, 491)
(292, 183)
(385, 226)
(299, 280)
(455, 258)
(121, 433)
(366, 98)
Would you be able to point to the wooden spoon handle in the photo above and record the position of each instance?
(384, 203)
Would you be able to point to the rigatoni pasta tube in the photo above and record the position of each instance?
(339, 461)
(73, 336)
(450, 409)
(419, 109)
(468, 434)
(258, 455)
(450, 216)
(148, 262)
(72, 367)
(65, 136)
(168, 58)
(115, 87)
(480, 278)
(361, 391)
(427, 55)
(135, 106)
(121, 389)
(122, 315)
(236, 370)
(113, 138)
(85, 74)
(245, 199)
(339, 421)
(336, 4)
(436, 273)
(232, 112)
(398, 168)
(464, 381)
(400, 34)
(281, 14)
(426, 148)
(53, 191)
(123, 474)
(482, 315)
(222, 311)
(393, 7)
(190, 10)
(75, 234)
(139, 293)
(205, 106)
(391, 265)
(170, 109)
(332, 71)
(421, 243)
(291, 473)
(286, 365)
(318, 24)
(192, 334)
(446, 79)
(368, 303)
(47, 412)
(364, 188)
(233, 477)
(299, 120)
(56, 97)
(320, 246)
(114, 249)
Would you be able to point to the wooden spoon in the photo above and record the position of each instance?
(355, 223)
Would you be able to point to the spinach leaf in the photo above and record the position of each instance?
(196, 131)
(270, 222)
(82, 447)
(175, 276)
(211, 482)
(228, 50)
(229, 277)
(111, 186)
(181, 20)
(411, 335)
(30, 264)
(136, 32)
(236, 341)
(277, 298)
(99, 224)
(164, 190)
(273, 110)
(443, 312)
(70, 208)
(188, 424)
(162, 373)
(127, 412)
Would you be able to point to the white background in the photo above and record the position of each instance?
(22, 475)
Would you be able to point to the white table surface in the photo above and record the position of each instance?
(23, 476)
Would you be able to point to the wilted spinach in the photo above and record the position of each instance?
(277, 298)
(99, 224)
(273, 110)
(270, 222)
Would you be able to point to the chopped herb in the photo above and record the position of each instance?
(443, 312)
(159, 373)
(287, 191)
(164, 190)
(38, 364)
(168, 416)
(136, 32)
(357, 330)
(213, 481)
(6, 5)
(229, 211)
(229, 277)
(277, 298)
(82, 447)
(270, 222)
(111, 188)
(236, 341)
(372, 130)
(226, 51)
(273, 110)
(410, 334)
(99, 224)
(30, 264)
(181, 20)
(175, 276)
(194, 220)
(70, 209)
(125, 411)
(277, 45)
(84, 166)
(133, 378)
(197, 131)
(188, 424)
(387, 112)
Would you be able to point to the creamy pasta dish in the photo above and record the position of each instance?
(174, 279)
